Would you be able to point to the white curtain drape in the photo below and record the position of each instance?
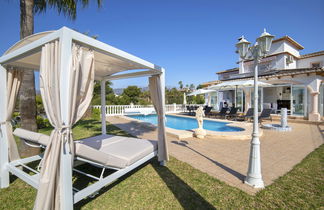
(14, 78)
(80, 92)
(159, 104)
(209, 100)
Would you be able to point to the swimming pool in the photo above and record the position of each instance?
(185, 123)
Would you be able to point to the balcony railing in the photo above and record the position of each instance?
(116, 110)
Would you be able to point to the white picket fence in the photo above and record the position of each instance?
(115, 110)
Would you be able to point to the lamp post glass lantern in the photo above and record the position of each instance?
(243, 47)
(256, 52)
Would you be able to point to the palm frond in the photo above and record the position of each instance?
(67, 7)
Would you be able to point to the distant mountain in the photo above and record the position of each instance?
(118, 91)
(144, 89)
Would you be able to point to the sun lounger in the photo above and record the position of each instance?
(222, 113)
(208, 111)
(109, 150)
(265, 114)
(189, 109)
(232, 113)
(248, 115)
(117, 153)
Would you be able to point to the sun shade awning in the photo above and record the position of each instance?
(200, 91)
(108, 60)
(238, 84)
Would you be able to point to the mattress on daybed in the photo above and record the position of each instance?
(109, 150)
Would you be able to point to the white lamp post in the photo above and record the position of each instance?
(257, 52)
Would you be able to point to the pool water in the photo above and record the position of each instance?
(184, 123)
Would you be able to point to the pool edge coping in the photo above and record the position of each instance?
(183, 134)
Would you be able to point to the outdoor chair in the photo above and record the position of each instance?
(192, 110)
(189, 109)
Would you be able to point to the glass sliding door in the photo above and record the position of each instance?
(214, 101)
(240, 100)
(298, 100)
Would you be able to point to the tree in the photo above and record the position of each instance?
(180, 84)
(27, 103)
(199, 99)
(131, 94)
(173, 96)
(145, 98)
(96, 99)
(192, 87)
(199, 87)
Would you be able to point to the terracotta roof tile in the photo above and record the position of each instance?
(282, 72)
(291, 40)
(312, 54)
(215, 82)
(228, 70)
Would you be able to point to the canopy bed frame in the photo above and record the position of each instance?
(69, 62)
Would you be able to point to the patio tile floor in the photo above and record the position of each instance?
(227, 160)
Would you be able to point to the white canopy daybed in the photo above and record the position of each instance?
(69, 62)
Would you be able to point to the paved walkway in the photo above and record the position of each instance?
(227, 160)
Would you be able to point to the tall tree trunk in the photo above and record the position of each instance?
(27, 98)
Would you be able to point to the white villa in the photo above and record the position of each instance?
(297, 81)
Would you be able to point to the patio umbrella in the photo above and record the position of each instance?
(237, 84)
(184, 98)
(201, 91)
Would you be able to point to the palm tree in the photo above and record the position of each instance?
(27, 103)
(180, 84)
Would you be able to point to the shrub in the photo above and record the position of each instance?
(42, 122)
(96, 113)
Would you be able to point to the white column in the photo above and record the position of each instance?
(66, 196)
(162, 81)
(254, 177)
(314, 115)
(103, 107)
(4, 173)
(235, 95)
(175, 107)
(284, 118)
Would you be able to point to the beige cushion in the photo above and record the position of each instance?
(109, 150)
(127, 150)
(34, 137)
(98, 156)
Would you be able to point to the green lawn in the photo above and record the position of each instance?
(180, 186)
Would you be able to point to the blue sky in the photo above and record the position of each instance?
(191, 39)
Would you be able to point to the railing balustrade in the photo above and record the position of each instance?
(115, 110)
